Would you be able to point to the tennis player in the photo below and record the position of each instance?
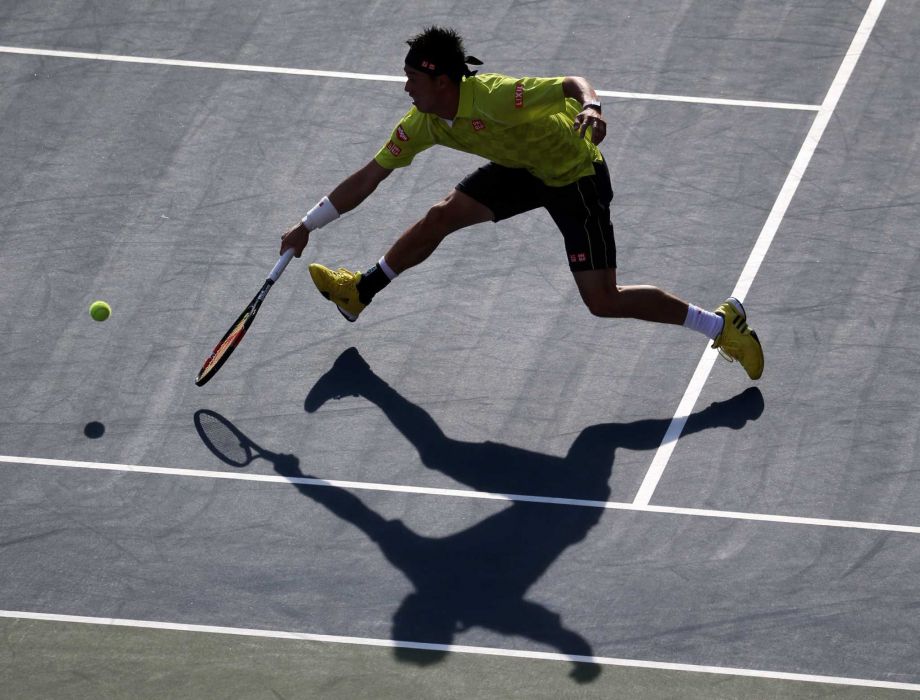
(540, 136)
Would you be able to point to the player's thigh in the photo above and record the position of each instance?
(457, 211)
(582, 214)
(504, 191)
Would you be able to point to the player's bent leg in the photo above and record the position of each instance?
(456, 211)
(736, 341)
(604, 297)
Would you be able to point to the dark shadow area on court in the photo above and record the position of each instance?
(94, 430)
(479, 576)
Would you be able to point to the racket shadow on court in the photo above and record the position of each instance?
(478, 577)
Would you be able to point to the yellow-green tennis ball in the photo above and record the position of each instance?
(99, 310)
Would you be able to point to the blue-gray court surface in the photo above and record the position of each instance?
(478, 489)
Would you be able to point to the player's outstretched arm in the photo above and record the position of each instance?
(353, 190)
(357, 187)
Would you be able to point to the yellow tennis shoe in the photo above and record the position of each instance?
(340, 287)
(738, 341)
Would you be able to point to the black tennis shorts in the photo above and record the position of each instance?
(581, 210)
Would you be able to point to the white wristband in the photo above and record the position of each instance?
(320, 215)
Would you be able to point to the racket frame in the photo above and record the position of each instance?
(247, 317)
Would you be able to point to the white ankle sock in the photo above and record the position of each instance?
(387, 270)
(702, 321)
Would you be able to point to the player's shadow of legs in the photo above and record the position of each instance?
(584, 473)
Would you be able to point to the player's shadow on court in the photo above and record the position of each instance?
(479, 577)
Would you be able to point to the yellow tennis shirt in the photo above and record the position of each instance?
(515, 122)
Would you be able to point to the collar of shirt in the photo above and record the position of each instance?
(465, 106)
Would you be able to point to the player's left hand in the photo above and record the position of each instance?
(593, 119)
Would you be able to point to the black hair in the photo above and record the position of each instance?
(440, 51)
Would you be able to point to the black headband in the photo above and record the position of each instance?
(452, 68)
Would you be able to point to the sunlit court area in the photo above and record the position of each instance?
(482, 487)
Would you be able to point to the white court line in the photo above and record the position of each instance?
(721, 101)
(762, 245)
(198, 64)
(372, 76)
(458, 649)
(460, 493)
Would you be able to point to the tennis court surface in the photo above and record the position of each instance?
(478, 489)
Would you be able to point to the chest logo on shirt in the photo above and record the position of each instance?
(519, 96)
(394, 149)
(401, 133)
(478, 124)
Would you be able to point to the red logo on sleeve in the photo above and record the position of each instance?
(401, 133)
(394, 149)
(519, 96)
(478, 124)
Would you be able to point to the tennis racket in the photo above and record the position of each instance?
(225, 440)
(227, 443)
(233, 336)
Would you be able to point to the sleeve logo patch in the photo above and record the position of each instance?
(401, 133)
(394, 149)
(518, 96)
(478, 124)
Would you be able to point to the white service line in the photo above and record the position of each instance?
(199, 64)
(459, 493)
(720, 101)
(762, 245)
(373, 76)
(456, 648)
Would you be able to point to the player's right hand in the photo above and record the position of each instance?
(594, 119)
(296, 238)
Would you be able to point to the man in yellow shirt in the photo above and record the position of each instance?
(540, 136)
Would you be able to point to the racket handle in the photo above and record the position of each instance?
(281, 264)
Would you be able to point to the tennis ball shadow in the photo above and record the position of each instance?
(94, 430)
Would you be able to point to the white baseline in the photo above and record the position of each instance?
(456, 648)
(50, 53)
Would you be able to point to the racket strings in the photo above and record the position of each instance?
(223, 440)
(227, 344)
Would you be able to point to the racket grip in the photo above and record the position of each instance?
(281, 264)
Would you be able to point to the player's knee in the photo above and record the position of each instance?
(605, 303)
(595, 305)
(438, 220)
